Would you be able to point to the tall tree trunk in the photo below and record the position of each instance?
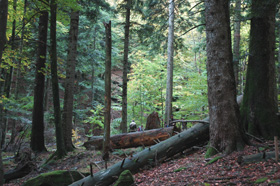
(170, 53)
(3, 26)
(236, 43)
(107, 114)
(37, 133)
(260, 97)
(8, 78)
(55, 89)
(225, 126)
(67, 116)
(18, 71)
(125, 69)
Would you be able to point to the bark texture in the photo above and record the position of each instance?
(55, 89)
(133, 139)
(225, 126)
(153, 121)
(107, 114)
(125, 68)
(236, 43)
(170, 53)
(37, 134)
(3, 26)
(259, 106)
(67, 114)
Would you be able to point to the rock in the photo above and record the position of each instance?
(54, 178)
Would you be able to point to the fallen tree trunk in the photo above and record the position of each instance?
(133, 139)
(254, 158)
(157, 153)
(197, 134)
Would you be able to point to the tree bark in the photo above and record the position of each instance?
(67, 114)
(199, 133)
(259, 106)
(3, 26)
(125, 69)
(132, 139)
(254, 158)
(236, 43)
(153, 121)
(37, 133)
(225, 127)
(107, 114)
(60, 152)
(170, 53)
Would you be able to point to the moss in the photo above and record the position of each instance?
(213, 160)
(261, 180)
(210, 152)
(54, 178)
(125, 179)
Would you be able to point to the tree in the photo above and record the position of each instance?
(107, 114)
(60, 152)
(236, 43)
(67, 114)
(225, 126)
(170, 53)
(259, 106)
(37, 133)
(3, 25)
(125, 68)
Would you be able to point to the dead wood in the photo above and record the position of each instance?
(157, 153)
(254, 158)
(133, 139)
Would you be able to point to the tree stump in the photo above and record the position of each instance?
(153, 121)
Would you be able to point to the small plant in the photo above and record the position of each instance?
(96, 118)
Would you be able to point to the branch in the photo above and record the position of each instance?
(192, 29)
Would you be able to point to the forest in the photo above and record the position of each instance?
(139, 92)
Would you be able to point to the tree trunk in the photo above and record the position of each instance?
(199, 133)
(236, 43)
(3, 26)
(67, 113)
(132, 139)
(254, 158)
(107, 114)
(225, 127)
(37, 134)
(259, 106)
(170, 53)
(55, 89)
(125, 69)
(153, 121)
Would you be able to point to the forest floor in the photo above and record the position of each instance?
(188, 168)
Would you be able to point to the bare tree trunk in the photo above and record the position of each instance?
(107, 114)
(236, 43)
(55, 89)
(67, 114)
(125, 69)
(3, 26)
(225, 127)
(170, 53)
(37, 134)
(259, 106)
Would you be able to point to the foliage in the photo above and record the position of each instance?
(96, 118)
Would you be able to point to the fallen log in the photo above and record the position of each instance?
(133, 139)
(254, 158)
(197, 134)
